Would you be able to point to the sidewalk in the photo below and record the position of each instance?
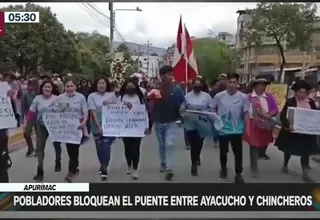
(15, 136)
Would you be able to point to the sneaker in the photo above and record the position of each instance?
(223, 173)
(69, 177)
(29, 153)
(194, 170)
(39, 176)
(128, 171)
(104, 175)
(100, 170)
(238, 178)
(57, 167)
(135, 174)
(163, 168)
(169, 175)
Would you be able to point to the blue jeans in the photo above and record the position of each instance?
(103, 145)
(166, 134)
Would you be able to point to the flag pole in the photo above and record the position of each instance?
(186, 56)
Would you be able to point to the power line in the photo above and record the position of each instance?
(94, 7)
(93, 15)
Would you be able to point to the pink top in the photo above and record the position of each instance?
(303, 103)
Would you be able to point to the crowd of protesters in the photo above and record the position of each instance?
(247, 113)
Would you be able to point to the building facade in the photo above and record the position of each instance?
(265, 58)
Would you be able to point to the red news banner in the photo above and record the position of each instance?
(2, 26)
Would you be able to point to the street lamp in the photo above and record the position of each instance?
(112, 24)
(128, 9)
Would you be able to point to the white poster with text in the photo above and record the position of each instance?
(63, 127)
(120, 121)
(7, 117)
(305, 121)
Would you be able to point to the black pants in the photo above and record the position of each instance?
(132, 151)
(186, 138)
(196, 143)
(73, 152)
(236, 144)
(304, 160)
(4, 156)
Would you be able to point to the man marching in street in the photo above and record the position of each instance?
(166, 117)
(232, 106)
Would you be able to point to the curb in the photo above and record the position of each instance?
(16, 138)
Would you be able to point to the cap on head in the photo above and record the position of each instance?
(260, 80)
(301, 84)
(222, 75)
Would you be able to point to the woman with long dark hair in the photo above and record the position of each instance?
(130, 95)
(101, 94)
(44, 102)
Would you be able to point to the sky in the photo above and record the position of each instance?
(156, 23)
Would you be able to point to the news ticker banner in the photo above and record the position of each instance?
(158, 197)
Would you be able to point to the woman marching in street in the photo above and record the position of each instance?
(44, 102)
(197, 99)
(102, 94)
(72, 101)
(130, 95)
(258, 129)
(290, 143)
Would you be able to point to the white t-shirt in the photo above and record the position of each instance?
(134, 100)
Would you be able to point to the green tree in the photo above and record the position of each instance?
(213, 58)
(31, 46)
(289, 25)
(93, 49)
(123, 48)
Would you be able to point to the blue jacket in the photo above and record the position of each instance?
(177, 99)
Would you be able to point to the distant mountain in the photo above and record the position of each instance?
(142, 48)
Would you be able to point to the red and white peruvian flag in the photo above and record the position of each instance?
(192, 68)
(178, 61)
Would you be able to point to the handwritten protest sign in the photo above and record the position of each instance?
(304, 121)
(7, 117)
(206, 123)
(120, 121)
(279, 92)
(63, 127)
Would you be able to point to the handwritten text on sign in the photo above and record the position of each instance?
(120, 121)
(63, 127)
(7, 117)
(305, 121)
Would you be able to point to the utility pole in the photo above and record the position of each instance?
(304, 65)
(148, 45)
(111, 35)
(138, 66)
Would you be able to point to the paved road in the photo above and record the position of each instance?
(24, 168)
